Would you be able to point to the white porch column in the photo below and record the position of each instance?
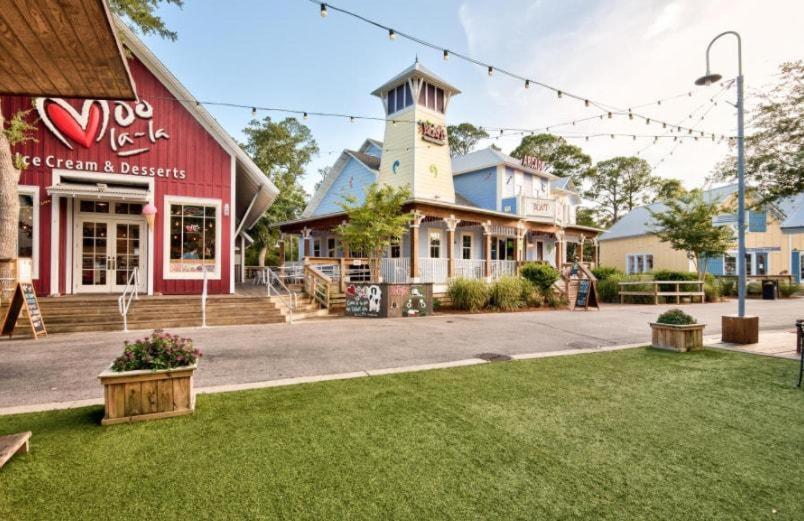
(415, 224)
(486, 250)
(452, 224)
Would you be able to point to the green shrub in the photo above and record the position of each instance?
(728, 287)
(605, 272)
(541, 275)
(753, 288)
(712, 291)
(675, 317)
(158, 351)
(467, 294)
(787, 290)
(608, 289)
(507, 294)
(555, 299)
(676, 275)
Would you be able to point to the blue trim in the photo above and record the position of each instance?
(795, 265)
(758, 221)
(714, 265)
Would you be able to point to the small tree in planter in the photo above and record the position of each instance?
(677, 331)
(152, 379)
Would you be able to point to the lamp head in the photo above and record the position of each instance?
(709, 79)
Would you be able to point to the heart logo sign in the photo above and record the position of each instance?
(69, 125)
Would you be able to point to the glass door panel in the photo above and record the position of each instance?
(94, 259)
(127, 254)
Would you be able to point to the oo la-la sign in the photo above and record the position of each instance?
(128, 130)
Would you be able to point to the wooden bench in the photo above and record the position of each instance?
(13, 444)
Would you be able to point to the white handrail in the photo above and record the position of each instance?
(132, 290)
(270, 277)
(204, 300)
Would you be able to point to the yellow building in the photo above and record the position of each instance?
(774, 240)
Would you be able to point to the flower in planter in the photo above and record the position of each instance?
(159, 351)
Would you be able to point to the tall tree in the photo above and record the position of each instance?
(141, 15)
(561, 158)
(281, 150)
(687, 224)
(774, 151)
(618, 185)
(463, 138)
(376, 223)
(668, 188)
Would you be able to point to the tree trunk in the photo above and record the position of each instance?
(261, 256)
(9, 199)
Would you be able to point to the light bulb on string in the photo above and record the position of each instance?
(446, 55)
(647, 121)
(324, 12)
(351, 119)
(559, 94)
(306, 116)
(491, 71)
(391, 34)
(609, 115)
(253, 112)
(586, 103)
(630, 115)
(527, 84)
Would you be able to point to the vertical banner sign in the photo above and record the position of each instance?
(24, 298)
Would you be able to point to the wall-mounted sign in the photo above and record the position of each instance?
(533, 162)
(433, 133)
(539, 208)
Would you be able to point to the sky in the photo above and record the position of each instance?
(623, 53)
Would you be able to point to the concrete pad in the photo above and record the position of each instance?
(779, 344)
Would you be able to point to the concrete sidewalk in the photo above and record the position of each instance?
(779, 344)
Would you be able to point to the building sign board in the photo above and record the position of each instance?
(389, 300)
(533, 162)
(433, 133)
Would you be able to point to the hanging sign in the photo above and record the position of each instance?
(533, 162)
(24, 298)
(433, 133)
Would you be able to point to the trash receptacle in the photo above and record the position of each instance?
(768, 290)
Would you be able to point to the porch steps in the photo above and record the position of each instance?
(73, 314)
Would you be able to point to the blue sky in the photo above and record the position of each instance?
(281, 53)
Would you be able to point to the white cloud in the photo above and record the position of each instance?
(625, 53)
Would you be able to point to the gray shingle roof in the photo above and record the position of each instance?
(639, 221)
(370, 161)
(488, 157)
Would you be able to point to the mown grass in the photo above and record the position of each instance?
(636, 434)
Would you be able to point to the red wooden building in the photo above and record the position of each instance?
(98, 168)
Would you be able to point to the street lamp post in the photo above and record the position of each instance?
(750, 328)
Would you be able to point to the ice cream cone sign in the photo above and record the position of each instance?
(149, 211)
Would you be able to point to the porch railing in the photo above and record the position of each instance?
(434, 270)
(317, 285)
(395, 270)
(501, 268)
(470, 268)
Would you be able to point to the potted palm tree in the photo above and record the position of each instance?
(677, 331)
(152, 379)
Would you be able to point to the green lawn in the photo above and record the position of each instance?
(635, 434)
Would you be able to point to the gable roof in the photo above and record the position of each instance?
(417, 70)
(489, 157)
(793, 209)
(639, 221)
(254, 180)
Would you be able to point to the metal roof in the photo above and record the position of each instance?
(488, 157)
(639, 221)
(417, 70)
(793, 209)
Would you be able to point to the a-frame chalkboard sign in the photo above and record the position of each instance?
(24, 298)
(587, 294)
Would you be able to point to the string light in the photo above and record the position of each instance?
(527, 84)
(446, 55)
(306, 116)
(324, 12)
(391, 34)
(559, 94)
(586, 103)
(491, 71)
(253, 111)
(351, 119)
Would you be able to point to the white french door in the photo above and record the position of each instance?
(106, 252)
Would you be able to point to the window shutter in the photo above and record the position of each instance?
(714, 265)
(757, 221)
(795, 265)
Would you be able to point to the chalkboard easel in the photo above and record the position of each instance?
(24, 298)
(587, 294)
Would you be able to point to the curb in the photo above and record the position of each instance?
(284, 382)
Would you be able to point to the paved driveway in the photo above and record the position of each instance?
(64, 367)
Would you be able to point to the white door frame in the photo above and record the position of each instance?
(111, 221)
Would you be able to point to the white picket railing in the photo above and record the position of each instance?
(501, 268)
(470, 268)
(395, 270)
(433, 270)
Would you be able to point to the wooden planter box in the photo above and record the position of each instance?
(677, 338)
(147, 395)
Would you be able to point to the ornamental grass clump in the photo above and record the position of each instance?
(159, 351)
(467, 294)
(676, 317)
(507, 294)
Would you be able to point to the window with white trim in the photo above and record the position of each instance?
(28, 227)
(435, 245)
(396, 248)
(638, 263)
(729, 264)
(332, 249)
(193, 238)
(466, 246)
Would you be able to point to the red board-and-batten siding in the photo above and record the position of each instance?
(190, 148)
